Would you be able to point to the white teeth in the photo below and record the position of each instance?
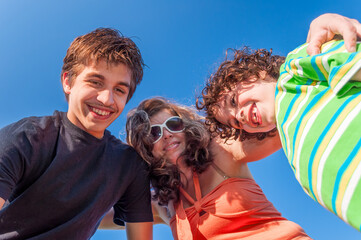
(100, 112)
(170, 146)
(254, 114)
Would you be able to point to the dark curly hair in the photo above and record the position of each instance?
(165, 176)
(245, 64)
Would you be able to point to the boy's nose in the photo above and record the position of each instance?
(106, 97)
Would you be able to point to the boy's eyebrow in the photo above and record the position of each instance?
(96, 75)
(124, 84)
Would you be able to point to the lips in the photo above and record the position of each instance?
(171, 146)
(98, 112)
(254, 115)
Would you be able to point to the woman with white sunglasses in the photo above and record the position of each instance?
(203, 188)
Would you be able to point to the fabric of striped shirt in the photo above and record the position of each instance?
(318, 112)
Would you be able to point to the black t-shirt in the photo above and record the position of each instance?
(59, 180)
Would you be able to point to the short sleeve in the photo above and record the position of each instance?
(334, 65)
(135, 205)
(13, 145)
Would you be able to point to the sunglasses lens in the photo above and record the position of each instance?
(175, 124)
(155, 133)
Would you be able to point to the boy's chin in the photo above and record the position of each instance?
(261, 129)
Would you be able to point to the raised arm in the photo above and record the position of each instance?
(248, 150)
(326, 26)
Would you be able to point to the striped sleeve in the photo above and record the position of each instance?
(334, 65)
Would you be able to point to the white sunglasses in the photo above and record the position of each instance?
(173, 124)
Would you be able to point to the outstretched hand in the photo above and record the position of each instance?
(326, 26)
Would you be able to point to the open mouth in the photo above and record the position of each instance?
(99, 112)
(171, 146)
(255, 116)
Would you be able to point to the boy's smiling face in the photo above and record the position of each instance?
(97, 95)
(249, 106)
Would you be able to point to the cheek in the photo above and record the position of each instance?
(220, 115)
(156, 150)
(120, 102)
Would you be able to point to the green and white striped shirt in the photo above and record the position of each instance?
(318, 112)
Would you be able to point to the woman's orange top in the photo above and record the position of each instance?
(235, 209)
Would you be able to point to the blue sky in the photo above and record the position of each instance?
(182, 42)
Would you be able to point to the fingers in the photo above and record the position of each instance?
(358, 27)
(315, 42)
(348, 29)
(318, 33)
(324, 28)
(314, 46)
(350, 40)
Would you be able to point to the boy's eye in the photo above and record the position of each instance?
(120, 90)
(94, 82)
(233, 100)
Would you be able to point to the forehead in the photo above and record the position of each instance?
(101, 65)
(161, 116)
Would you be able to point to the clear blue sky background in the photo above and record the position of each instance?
(182, 42)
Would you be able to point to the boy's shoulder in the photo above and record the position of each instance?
(117, 147)
(34, 124)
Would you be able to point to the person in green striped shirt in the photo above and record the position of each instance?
(313, 110)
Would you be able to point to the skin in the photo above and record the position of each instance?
(171, 145)
(249, 106)
(97, 96)
(324, 28)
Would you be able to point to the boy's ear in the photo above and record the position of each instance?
(66, 83)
